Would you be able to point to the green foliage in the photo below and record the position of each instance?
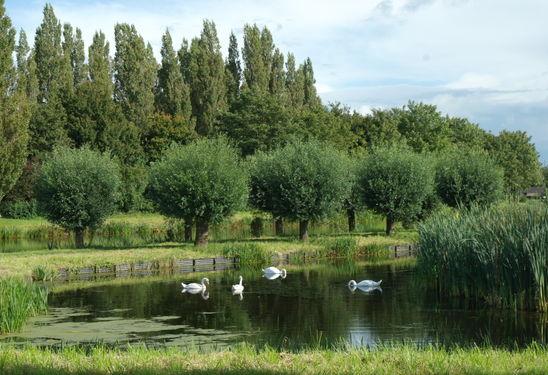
(257, 122)
(340, 247)
(14, 115)
(257, 57)
(300, 181)
(515, 153)
(206, 74)
(78, 189)
(99, 63)
(395, 182)
(467, 178)
(233, 71)
(162, 130)
(19, 209)
(497, 254)
(250, 254)
(203, 180)
(19, 300)
(172, 93)
(134, 74)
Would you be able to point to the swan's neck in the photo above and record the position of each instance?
(241, 280)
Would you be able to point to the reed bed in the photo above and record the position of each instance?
(498, 255)
(19, 300)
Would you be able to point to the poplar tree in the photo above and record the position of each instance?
(310, 95)
(47, 125)
(207, 81)
(66, 69)
(277, 74)
(13, 111)
(233, 70)
(99, 63)
(48, 54)
(134, 74)
(257, 56)
(294, 82)
(78, 59)
(184, 60)
(172, 95)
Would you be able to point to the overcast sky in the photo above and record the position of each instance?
(483, 59)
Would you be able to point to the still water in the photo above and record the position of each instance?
(312, 306)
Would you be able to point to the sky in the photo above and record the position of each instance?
(486, 60)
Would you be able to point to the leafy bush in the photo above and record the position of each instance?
(302, 181)
(204, 181)
(343, 247)
(397, 183)
(464, 179)
(78, 189)
(19, 209)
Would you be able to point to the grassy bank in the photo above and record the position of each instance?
(497, 254)
(144, 228)
(23, 263)
(247, 360)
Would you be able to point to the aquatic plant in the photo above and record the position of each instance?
(19, 300)
(43, 273)
(499, 254)
(250, 254)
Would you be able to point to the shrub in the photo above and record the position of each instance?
(302, 181)
(395, 182)
(204, 181)
(463, 179)
(250, 254)
(77, 189)
(19, 209)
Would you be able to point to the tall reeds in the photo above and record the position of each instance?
(497, 254)
(19, 300)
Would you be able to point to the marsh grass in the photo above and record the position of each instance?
(19, 300)
(498, 255)
(247, 359)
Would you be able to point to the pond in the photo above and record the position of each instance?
(312, 306)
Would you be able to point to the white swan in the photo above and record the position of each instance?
(365, 289)
(364, 284)
(204, 293)
(195, 288)
(238, 288)
(272, 273)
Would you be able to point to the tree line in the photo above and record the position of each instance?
(122, 101)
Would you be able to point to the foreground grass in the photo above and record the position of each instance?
(245, 359)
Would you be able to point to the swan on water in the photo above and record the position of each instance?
(365, 289)
(238, 288)
(204, 293)
(273, 271)
(364, 283)
(239, 294)
(195, 288)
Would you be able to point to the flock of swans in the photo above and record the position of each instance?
(272, 273)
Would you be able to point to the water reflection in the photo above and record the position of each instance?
(312, 306)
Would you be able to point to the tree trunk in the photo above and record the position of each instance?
(188, 229)
(389, 225)
(79, 238)
(351, 219)
(279, 226)
(257, 227)
(202, 232)
(303, 230)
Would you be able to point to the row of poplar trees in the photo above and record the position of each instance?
(129, 104)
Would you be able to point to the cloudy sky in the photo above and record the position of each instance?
(483, 59)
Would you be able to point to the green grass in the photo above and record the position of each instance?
(24, 263)
(245, 359)
(498, 254)
(19, 300)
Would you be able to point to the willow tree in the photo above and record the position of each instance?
(395, 182)
(78, 189)
(302, 181)
(13, 111)
(203, 181)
